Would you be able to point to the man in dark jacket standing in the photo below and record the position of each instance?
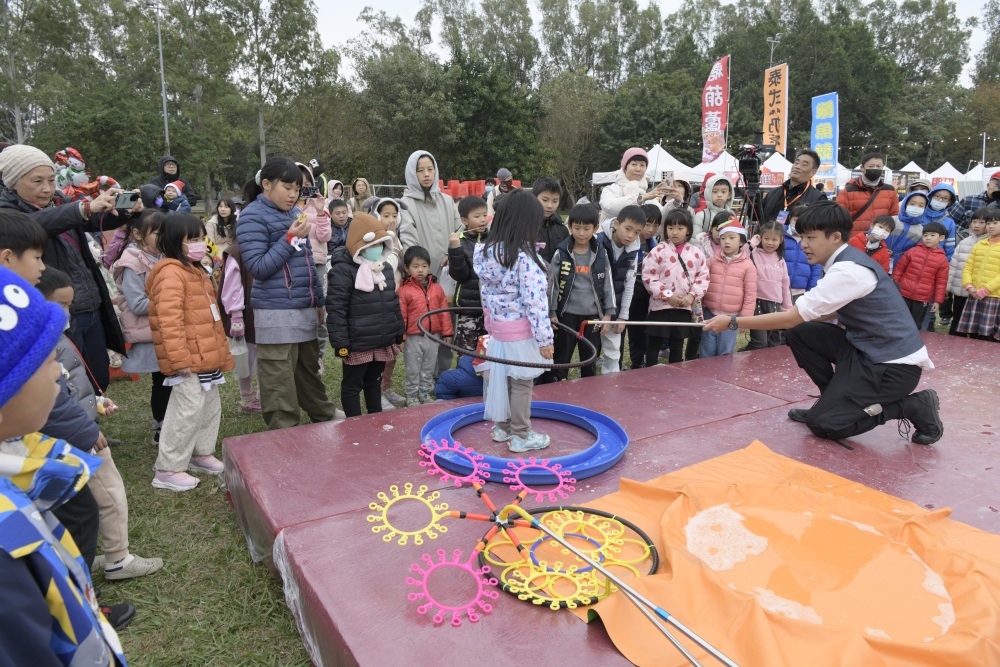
(170, 171)
(28, 185)
(798, 189)
(869, 196)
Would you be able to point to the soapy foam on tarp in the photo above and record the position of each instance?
(805, 564)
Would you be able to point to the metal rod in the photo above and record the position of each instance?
(646, 324)
(163, 81)
(666, 633)
(630, 592)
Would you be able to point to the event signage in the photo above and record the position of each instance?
(826, 137)
(715, 111)
(776, 107)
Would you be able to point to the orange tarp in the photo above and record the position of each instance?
(775, 563)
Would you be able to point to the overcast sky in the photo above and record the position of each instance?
(338, 25)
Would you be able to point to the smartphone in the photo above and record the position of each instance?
(126, 201)
(309, 192)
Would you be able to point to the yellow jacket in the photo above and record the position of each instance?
(983, 267)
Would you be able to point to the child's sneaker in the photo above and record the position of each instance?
(174, 481)
(253, 405)
(394, 398)
(119, 615)
(533, 441)
(130, 567)
(412, 400)
(207, 463)
(499, 435)
(425, 399)
(339, 415)
(387, 404)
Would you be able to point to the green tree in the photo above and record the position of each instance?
(575, 107)
(988, 59)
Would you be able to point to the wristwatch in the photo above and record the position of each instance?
(732, 323)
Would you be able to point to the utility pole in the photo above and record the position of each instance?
(773, 41)
(163, 82)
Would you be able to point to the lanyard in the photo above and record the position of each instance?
(784, 195)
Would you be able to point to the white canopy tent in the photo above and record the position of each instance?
(777, 163)
(724, 164)
(914, 167)
(660, 161)
(980, 173)
(947, 171)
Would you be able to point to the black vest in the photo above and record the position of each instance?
(619, 267)
(563, 258)
(878, 324)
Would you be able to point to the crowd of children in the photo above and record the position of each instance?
(298, 266)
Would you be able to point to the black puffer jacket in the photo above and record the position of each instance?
(359, 321)
(552, 233)
(460, 270)
(165, 178)
(58, 218)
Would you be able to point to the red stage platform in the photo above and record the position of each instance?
(303, 493)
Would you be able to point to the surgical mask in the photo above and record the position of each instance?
(873, 174)
(938, 205)
(489, 188)
(878, 234)
(914, 211)
(372, 254)
(196, 250)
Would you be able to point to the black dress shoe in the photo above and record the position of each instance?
(921, 409)
(798, 415)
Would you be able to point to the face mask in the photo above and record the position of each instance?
(372, 254)
(489, 188)
(791, 227)
(873, 174)
(938, 205)
(914, 211)
(196, 250)
(878, 234)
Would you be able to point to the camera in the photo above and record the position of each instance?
(750, 158)
(309, 192)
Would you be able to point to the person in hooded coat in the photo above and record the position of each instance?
(170, 171)
(703, 218)
(910, 225)
(631, 185)
(429, 220)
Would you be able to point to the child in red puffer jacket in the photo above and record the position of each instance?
(922, 273)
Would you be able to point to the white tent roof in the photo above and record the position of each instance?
(603, 177)
(723, 163)
(660, 160)
(913, 166)
(777, 163)
(947, 171)
(980, 173)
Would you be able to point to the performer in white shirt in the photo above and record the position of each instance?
(867, 367)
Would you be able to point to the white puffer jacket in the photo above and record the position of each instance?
(620, 194)
(958, 260)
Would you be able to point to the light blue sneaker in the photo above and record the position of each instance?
(499, 435)
(533, 441)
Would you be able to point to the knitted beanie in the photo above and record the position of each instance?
(366, 231)
(18, 160)
(503, 174)
(632, 154)
(30, 326)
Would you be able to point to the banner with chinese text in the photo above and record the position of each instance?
(776, 107)
(826, 137)
(715, 111)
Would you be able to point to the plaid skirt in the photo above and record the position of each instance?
(385, 354)
(981, 317)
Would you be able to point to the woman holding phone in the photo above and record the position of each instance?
(27, 184)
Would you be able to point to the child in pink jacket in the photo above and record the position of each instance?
(675, 274)
(320, 231)
(774, 293)
(732, 288)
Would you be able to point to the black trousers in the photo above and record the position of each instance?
(958, 307)
(759, 339)
(918, 310)
(358, 378)
(567, 343)
(638, 310)
(159, 397)
(87, 332)
(80, 516)
(848, 382)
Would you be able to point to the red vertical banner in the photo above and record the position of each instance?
(715, 111)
